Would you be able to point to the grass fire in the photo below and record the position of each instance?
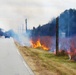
(46, 63)
(38, 44)
(53, 46)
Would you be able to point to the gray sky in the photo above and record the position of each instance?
(14, 12)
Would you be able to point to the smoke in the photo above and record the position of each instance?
(24, 40)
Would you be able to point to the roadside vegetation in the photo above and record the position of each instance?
(45, 63)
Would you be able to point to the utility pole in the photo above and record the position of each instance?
(57, 35)
(26, 24)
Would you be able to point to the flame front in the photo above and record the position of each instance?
(38, 44)
(44, 47)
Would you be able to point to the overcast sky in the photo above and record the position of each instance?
(14, 12)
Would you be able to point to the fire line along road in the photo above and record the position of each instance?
(11, 62)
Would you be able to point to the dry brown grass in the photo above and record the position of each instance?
(44, 63)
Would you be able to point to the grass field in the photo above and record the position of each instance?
(44, 63)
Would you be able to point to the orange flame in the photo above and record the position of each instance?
(44, 47)
(38, 44)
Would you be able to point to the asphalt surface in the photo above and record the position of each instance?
(11, 62)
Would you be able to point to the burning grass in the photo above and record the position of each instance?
(44, 63)
(41, 42)
(38, 44)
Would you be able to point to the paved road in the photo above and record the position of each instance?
(11, 62)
